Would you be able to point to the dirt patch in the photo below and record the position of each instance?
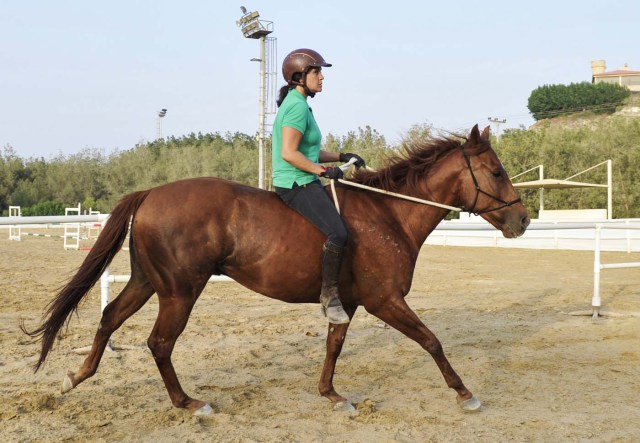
(542, 375)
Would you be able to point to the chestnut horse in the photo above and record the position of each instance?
(186, 231)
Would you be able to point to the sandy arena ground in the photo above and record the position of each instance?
(541, 374)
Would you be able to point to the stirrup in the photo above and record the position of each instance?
(335, 314)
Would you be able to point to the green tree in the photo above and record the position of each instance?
(550, 101)
(12, 170)
(44, 208)
(98, 181)
(567, 151)
(366, 142)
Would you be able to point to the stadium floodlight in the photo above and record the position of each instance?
(161, 114)
(498, 122)
(252, 27)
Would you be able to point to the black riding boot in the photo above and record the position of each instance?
(329, 298)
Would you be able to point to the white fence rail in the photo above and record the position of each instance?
(616, 235)
(107, 278)
(52, 219)
(70, 223)
(599, 266)
(567, 235)
(619, 235)
(14, 231)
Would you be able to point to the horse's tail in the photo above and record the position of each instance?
(100, 256)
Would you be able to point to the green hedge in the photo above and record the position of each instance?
(44, 208)
(550, 101)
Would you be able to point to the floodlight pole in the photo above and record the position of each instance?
(497, 121)
(254, 28)
(161, 114)
(261, 116)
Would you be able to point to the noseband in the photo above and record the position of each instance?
(479, 191)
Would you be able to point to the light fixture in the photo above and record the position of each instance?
(251, 27)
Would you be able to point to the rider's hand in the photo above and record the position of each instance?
(332, 172)
(346, 156)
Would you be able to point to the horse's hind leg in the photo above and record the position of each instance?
(335, 339)
(173, 314)
(397, 314)
(134, 295)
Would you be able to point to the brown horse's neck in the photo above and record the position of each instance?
(417, 220)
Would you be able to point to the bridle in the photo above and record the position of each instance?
(427, 202)
(479, 191)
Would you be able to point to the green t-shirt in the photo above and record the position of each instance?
(295, 113)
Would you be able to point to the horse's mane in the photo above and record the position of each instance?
(405, 167)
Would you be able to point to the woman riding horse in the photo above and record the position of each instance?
(184, 232)
(296, 156)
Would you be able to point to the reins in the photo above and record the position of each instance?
(393, 194)
(423, 201)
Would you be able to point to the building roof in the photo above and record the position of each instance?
(617, 72)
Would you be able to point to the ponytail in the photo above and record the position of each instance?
(282, 94)
(297, 79)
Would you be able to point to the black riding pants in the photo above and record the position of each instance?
(314, 204)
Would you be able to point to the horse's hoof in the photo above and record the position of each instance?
(344, 406)
(67, 383)
(470, 405)
(204, 410)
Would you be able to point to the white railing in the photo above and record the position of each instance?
(107, 278)
(14, 231)
(70, 224)
(467, 232)
(566, 235)
(596, 301)
(586, 236)
(71, 234)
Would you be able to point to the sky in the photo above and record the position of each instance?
(79, 74)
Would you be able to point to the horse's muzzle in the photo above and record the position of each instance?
(514, 230)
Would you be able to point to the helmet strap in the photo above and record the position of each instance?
(303, 83)
(308, 92)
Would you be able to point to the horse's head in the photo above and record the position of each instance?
(485, 187)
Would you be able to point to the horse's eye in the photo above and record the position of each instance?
(497, 174)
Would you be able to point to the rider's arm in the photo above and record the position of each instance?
(329, 157)
(290, 142)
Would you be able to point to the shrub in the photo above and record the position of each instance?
(44, 208)
(550, 101)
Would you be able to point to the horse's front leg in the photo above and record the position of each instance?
(335, 340)
(396, 313)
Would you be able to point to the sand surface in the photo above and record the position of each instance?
(500, 314)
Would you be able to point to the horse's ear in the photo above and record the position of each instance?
(474, 137)
(485, 133)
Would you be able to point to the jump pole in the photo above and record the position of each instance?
(107, 278)
(105, 282)
(595, 299)
(598, 265)
(14, 231)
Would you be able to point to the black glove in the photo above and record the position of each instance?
(332, 172)
(346, 156)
